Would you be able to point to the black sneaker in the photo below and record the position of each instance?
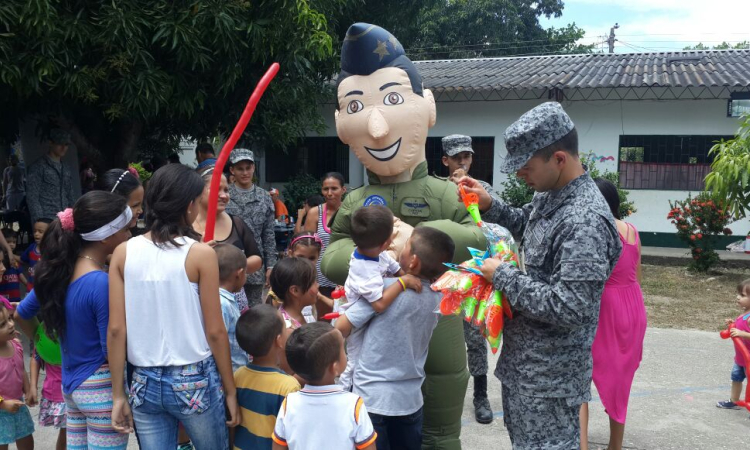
(727, 405)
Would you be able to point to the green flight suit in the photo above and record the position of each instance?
(423, 201)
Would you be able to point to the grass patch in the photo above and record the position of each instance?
(678, 298)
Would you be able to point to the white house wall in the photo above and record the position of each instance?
(599, 124)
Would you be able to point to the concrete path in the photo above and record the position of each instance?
(682, 376)
(672, 406)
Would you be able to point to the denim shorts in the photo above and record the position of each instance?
(738, 373)
(191, 395)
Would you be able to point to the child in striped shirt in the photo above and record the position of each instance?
(261, 385)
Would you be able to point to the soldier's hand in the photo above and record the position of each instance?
(488, 268)
(472, 186)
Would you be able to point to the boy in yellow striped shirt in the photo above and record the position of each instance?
(261, 385)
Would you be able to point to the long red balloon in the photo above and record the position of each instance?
(229, 146)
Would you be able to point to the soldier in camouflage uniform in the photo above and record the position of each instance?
(255, 207)
(570, 246)
(49, 184)
(457, 157)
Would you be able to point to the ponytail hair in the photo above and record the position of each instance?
(60, 249)
(290, 272)
(169, 194)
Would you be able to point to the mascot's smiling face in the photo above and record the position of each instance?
(383, 121)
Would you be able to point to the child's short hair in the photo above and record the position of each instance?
(433, 247)
(371, 226)
(46, 220)
(290, 272)
(231, 259)
(743, 288)
(311, 349)
(257, 328)
(307, 239)
(10, 234)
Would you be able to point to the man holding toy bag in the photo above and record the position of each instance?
(569, 245)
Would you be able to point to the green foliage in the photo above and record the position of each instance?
(723, 46)
(730, 170)
(699, 221)
(119, 71)
(298, 189)
(517, 193)
(143, 174)
(438, 29)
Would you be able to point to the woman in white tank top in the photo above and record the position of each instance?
(165, 309)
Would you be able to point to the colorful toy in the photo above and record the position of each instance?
(47, 349)
(740, 346)
(466, 292)
(226, 150)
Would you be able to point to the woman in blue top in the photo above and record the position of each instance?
(71, 297)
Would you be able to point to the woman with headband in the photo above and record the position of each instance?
(71, 297)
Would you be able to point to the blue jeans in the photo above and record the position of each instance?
(738, 373)
(160, 397)
(398, 432)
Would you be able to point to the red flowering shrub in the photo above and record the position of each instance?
(699, 221)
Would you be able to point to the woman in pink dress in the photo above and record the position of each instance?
(618, 345)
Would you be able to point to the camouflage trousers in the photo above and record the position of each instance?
(541, 423)
(476, 347)
(254, 294)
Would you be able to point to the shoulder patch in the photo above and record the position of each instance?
(375, 200)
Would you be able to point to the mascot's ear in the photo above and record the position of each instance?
(433, 110)
(338, 126)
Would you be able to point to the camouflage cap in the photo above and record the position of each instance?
(59, 136)
(241, 154)
(533, 131)
(455, 144)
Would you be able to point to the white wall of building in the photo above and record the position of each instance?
(600, 124)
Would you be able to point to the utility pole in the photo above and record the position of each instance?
(611, 40)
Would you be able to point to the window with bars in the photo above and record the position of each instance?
(665, 162)
(314, 155)
(482, 161)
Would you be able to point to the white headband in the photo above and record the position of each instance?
(111, 228)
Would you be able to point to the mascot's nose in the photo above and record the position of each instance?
(377, 125)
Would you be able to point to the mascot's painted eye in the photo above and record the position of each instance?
(394, 98)
(354, 107)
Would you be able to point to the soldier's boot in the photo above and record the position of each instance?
(482, 408)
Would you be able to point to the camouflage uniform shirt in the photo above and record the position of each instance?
(256, 209)
(49, 188)
(570, 246)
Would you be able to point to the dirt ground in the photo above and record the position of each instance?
(678, 298)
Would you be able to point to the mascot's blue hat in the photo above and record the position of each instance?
(368, 48)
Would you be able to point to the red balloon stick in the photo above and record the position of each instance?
(229, 146)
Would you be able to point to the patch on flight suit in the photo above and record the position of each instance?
(415, 207)
(375, 200)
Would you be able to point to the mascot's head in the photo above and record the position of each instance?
(383, 112)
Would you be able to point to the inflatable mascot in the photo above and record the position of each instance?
(383, 116)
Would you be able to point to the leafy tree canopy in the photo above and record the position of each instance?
(723, 46)
(120, 72)
(443, 29)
